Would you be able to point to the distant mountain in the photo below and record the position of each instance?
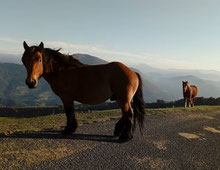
(151, 91)
(157, 73)
(170, 81)
(85, 58)
(88, 59)
(157, 83)
(10, 58)
(12, 87)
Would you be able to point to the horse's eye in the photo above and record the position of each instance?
(39, 60)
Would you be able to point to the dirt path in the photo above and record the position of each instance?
(175, 141)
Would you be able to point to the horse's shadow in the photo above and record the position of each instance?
(48, 134)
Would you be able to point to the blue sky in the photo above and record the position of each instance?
(181, 34)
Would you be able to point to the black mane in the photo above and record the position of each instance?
(54, 60)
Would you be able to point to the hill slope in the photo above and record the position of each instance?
(13, 90)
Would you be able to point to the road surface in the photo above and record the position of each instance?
(174, 141)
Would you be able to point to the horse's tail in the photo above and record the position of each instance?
(138, 106)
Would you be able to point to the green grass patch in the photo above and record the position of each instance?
(197, 109)
(57, 121)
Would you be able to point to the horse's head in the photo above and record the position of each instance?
(185, 86)
(33, 61)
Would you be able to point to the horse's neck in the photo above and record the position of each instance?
(54, 77)
(189, 88)
(188, 91)
(50, 77)
(56, 61)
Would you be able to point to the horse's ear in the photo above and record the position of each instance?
(25, 45)
(41, 47)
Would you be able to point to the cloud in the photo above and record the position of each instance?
(9, 40)
(109, 55)
(129, 58)
(10, 46)
(96, 50)
(14, 46)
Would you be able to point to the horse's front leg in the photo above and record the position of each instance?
(71, 124)
(185, 102)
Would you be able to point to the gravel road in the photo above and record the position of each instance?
(174, 141)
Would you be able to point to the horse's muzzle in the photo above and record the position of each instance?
(31, 83)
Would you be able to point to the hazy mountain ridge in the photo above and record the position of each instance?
(10, 58)
(173, 85)
(202, 74)
(170, 80)
(88, 59)
(157, 84)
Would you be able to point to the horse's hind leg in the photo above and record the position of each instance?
(124, 126)
(119, 127)
(193, 100)
(71, 118)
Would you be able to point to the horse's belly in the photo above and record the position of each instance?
(93, 95)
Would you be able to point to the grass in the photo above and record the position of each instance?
(13, 125)
(197, 109)
(18, 152)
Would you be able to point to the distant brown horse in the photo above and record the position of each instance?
(73, 81)
(190, 92)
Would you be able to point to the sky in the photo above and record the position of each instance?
(180, 34)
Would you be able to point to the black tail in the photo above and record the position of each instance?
(138, 106)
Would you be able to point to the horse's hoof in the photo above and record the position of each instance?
(125, 137)
(116, 133)
(115, 136)
(69, 130)
(66, 133)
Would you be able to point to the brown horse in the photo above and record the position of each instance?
(73, 81)
(190, 92)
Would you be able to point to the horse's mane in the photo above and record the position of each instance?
(54, 60)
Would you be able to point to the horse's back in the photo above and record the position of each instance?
(122, 71)
(94, 84)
